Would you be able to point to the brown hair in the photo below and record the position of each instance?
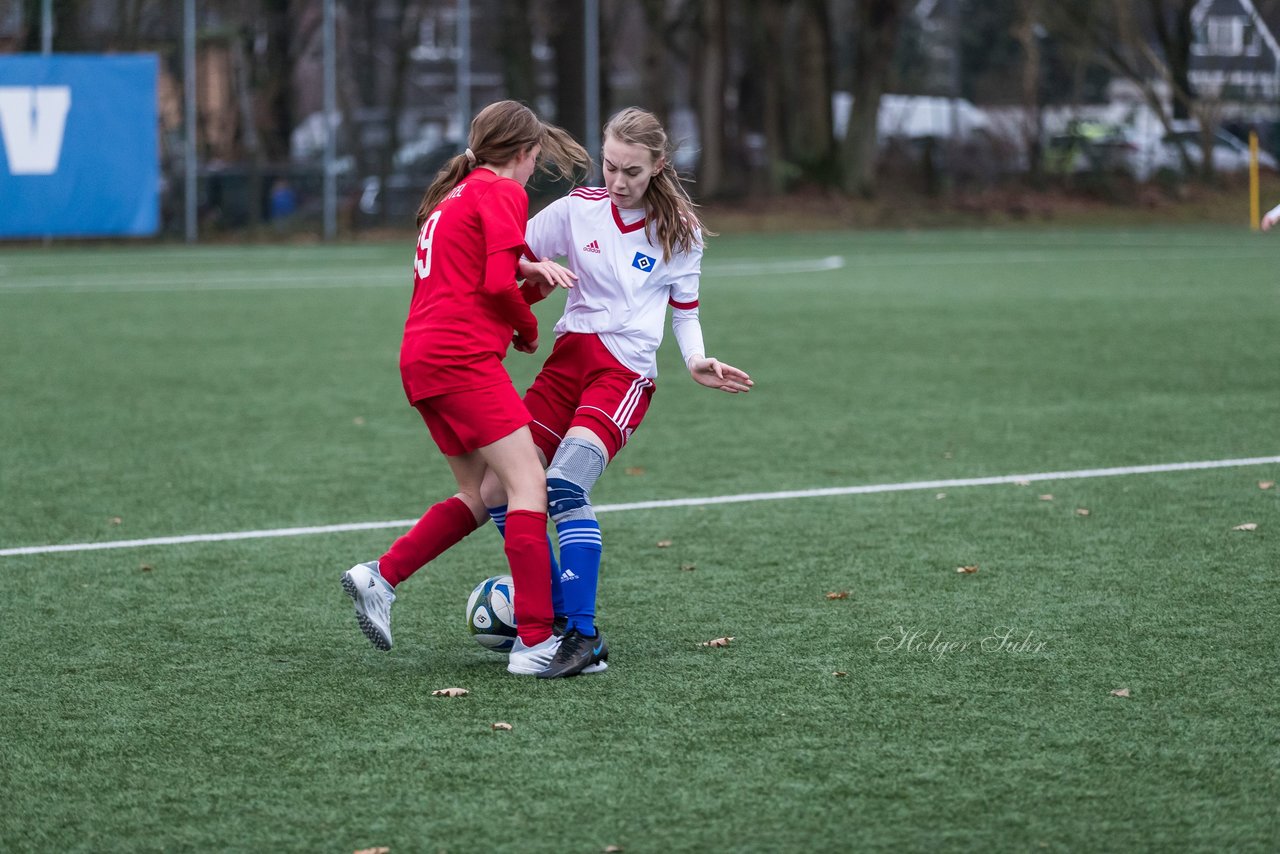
(498, 133)
(671, 213)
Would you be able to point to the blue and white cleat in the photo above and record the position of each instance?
(373, 597)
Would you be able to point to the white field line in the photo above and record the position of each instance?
(396, 276)
(372, 276)
(1080, 474)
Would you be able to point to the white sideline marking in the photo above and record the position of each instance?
(370, 276)
(1079, 474)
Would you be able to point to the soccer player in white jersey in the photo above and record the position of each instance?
(632, 247)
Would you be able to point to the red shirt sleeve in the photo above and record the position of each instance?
(503, 216)
(508, 301)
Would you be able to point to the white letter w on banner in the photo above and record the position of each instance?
(32, 119)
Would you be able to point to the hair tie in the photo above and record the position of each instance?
(471, 156)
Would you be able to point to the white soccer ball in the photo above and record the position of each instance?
(491, 614)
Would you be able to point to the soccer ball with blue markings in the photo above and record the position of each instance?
(491, 615)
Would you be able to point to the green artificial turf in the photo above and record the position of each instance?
(217, 696)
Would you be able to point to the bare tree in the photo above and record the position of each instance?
(806, 68)
(515, 43)
(712, 77)
(274, 77)
(761, 102)
(1120, 34)
(567, 40)
(877, 24)
(1027, 32)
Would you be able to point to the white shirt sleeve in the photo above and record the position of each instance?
(547, 235)
(686, 274)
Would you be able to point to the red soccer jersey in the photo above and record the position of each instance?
(458, 330)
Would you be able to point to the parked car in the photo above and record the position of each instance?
(1229, 153)
(1089, 147)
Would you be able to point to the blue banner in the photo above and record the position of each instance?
(80, 152)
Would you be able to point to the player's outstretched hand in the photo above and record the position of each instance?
(1272, 217)
(547, 274)
(523, 344)
(714, 373)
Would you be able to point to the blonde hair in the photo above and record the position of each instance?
(671, 213)
(498, 133)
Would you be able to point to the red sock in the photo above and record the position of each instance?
(530, 560)
(440, 527)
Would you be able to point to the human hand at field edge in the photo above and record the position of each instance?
(714, 373)
(1272, 217)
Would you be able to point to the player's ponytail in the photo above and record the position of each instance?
(672, 215)
(498, 133)
(452, 172)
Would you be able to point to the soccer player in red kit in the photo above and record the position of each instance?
(466, 305)
(634, 247)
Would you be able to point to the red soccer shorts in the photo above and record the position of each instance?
(583, 385)
(462, 421)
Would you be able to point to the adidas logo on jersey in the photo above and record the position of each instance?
(593, 246)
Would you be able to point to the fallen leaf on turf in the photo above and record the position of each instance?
(381, 849)
(115, 520)
(1247, 526)
(1266, 484)
(838, 594)
(688, 567)
(450, 692)
(1120, 692)
(1082, 511)
(634, 471)
(967, 570)
(718, 642)
(502, 725)
(840, 673)
(1048, 496)
(1022, 483)
(613, 849)
(662, 544)
(146, 567)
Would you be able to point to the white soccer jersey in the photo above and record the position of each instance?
(624, 286)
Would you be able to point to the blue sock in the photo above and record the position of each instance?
(580, 550)
(499, 517)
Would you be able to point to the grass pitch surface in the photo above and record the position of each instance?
(218, 695)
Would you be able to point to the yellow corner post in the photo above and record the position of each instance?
(1253, 180)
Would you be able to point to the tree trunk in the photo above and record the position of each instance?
(878, 23)
(515, 43)
(1172, 25)
(807, 87)
(276, 89)
(567, 41)
(765, 106)
(711, 110)
(1033, 127)
(655, 79)
(241, 51)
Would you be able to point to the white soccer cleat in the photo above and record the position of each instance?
(532, 660)
(373, 597)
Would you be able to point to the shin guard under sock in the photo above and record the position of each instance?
(530, 562)
(439, 528)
